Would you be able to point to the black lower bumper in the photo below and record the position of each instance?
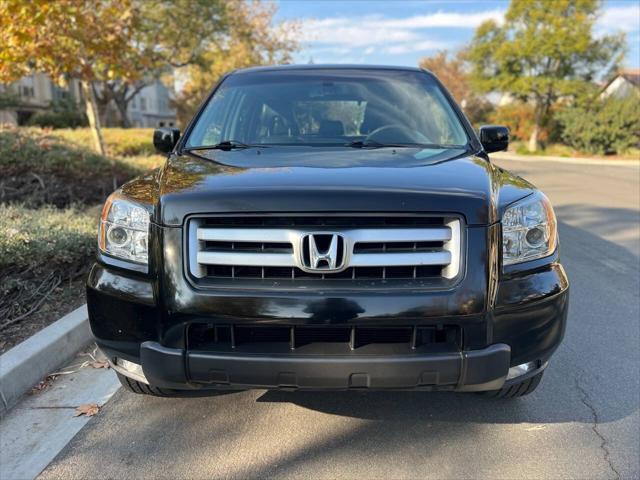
(475, 370)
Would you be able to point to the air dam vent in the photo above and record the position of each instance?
(338, 251)
(287, 339)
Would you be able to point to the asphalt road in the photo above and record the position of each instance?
(582, 422)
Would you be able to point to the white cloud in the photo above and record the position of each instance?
(408, 33)
(408, 47)
(377, 30)
(446, 20)
(351, 33)
(348, 38)
(625, 18)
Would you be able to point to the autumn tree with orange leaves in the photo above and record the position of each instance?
(454, 72)
(88, 41)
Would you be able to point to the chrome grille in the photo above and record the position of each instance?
(375, 248)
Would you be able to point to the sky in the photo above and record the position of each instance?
(402, 32)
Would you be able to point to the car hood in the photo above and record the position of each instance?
(334, 179)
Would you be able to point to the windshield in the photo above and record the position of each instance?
(329, 107)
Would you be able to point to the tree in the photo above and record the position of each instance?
(89, 41)
(454, 73)
(162, 42)
(251, 40)
(544, 51)
(218, 30)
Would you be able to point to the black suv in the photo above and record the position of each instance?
(329, 227)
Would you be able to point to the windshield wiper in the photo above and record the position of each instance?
(371, 144)
(225, 145)
(442, 146)
(374, 144)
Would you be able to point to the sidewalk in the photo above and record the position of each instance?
(41, 425)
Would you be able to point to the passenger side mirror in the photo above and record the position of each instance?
(494, 138)
(165, 139)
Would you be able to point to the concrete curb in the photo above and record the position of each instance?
(578, 161)
(27, 363)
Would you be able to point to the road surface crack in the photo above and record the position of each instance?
(604, 444)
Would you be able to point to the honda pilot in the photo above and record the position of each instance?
(329, 227)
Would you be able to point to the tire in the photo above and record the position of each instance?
(143, 389)
(516, 390)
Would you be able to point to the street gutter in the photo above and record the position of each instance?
(29, 362)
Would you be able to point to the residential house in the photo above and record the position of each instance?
(32, 94)
(624, 84)
(149, 108)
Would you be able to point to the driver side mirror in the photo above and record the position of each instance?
(494, 138)
(165, 138)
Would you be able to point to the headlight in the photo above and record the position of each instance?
(529, 230)
(124, 230)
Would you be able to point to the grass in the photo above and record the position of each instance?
(119, 142)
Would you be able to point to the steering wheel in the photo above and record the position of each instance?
(395, 134)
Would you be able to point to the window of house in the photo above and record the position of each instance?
(28, 91)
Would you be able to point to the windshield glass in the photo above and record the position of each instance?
(329, 107)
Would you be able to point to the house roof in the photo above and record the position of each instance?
(632, 75)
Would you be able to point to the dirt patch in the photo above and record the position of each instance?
(65, 298)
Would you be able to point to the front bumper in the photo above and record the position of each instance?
(525, 322)
(476, 370)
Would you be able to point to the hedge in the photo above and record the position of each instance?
(59, 119)
(602, 126)
(41, 167)
(45, 238)
(40, 250)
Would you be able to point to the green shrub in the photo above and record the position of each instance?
(34, 240)
(8, 100)
(63, 114)
(40, 167)
(41, 250)
(59, 119)
(603, 126)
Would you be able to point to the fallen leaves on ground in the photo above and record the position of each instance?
(100, 364)
(43, 384)
(87, 409)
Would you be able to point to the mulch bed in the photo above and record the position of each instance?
(64, 298)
